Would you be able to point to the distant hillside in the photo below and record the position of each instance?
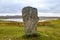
(40, 18)
(6, 17)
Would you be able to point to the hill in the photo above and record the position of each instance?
(48, 30)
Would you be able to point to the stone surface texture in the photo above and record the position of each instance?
(30, 20)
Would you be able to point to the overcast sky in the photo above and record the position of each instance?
(43, 6)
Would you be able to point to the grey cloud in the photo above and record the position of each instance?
(52, 6)
(12, 8)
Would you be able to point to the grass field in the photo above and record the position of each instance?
(46, 32)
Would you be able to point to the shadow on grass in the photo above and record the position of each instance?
(29, 37)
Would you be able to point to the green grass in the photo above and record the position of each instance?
(7, 32)
(11, 32)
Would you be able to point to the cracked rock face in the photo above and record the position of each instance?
(30, 20)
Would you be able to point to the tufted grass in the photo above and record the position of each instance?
(14, 32)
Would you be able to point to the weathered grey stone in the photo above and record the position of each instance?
(30, 20)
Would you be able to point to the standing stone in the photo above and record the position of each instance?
(30, 20)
